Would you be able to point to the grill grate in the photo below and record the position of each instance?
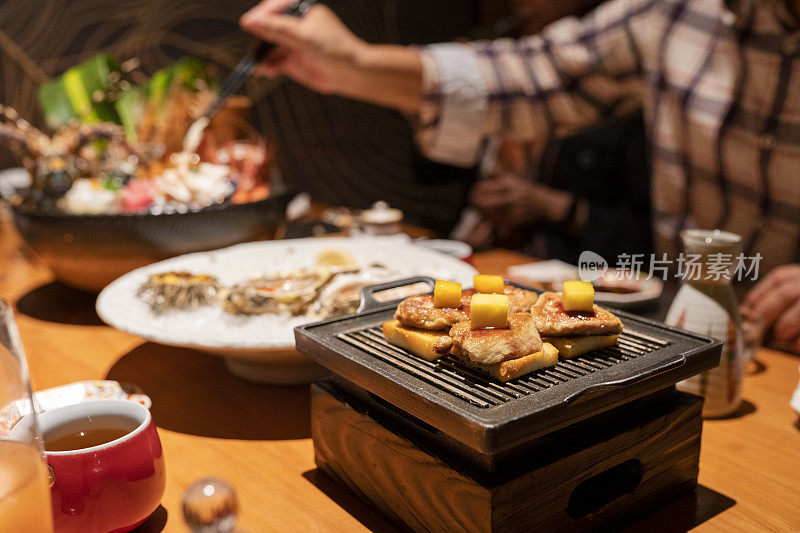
(482, 390)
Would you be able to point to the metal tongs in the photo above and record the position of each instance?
(248, 64)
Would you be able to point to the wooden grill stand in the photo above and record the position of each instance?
(613, 469)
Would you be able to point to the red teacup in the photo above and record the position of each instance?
(109, 487)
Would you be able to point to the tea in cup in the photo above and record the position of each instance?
(107, 463)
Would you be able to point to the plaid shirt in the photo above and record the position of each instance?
(720, 87)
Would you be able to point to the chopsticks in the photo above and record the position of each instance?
(245, 68)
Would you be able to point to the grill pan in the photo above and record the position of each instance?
(488, 416)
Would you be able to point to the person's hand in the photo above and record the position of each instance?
(775, 302)
(512, 201)
(317, 50)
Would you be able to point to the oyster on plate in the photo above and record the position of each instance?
(168, 291)
(342, 295)
(287, 292)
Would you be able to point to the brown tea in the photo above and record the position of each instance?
(88, 432)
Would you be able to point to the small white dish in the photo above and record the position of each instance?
(72, 394)
(458, 249)
(553, 271)
(543, 272)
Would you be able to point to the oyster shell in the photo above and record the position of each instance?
(342, 295)
(169, 291)
(287, 292)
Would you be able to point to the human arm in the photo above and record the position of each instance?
(573, 74)
(319, 52)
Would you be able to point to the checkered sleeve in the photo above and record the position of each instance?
(573, 74)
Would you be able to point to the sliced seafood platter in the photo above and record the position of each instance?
(243, 302)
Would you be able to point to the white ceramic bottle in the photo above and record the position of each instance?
(706, 304)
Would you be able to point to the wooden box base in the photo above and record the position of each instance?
(605, 482)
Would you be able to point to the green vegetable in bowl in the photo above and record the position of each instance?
(85, 92)
(99, 91)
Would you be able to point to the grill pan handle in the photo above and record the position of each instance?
(672, 363)
(368, 301)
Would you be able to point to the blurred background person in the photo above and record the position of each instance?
(718, 82)
(588, 191)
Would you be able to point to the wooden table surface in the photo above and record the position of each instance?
(257, 437)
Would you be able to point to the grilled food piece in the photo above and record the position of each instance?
(490, 346)
(575, 346)
(574, 332)
(514, 368)
(552, 321)
(577, 296)
(519, 300)
(488, 284)
(419, 311)
(446, 294)
(430, 345)
(488, 311)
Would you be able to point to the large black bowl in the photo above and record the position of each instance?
(90, 251)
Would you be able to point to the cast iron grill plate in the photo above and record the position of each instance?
(485, 414)
(482, 390)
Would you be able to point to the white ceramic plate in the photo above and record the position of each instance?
(264, 342)
(555, 270)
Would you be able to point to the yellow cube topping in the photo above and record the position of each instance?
(447, 294)
(488, 311)
(488, 284)
(577, 296)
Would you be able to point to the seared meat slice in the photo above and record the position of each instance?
(488, 346)
(552, 320)
(514, 368)
(419, 312)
